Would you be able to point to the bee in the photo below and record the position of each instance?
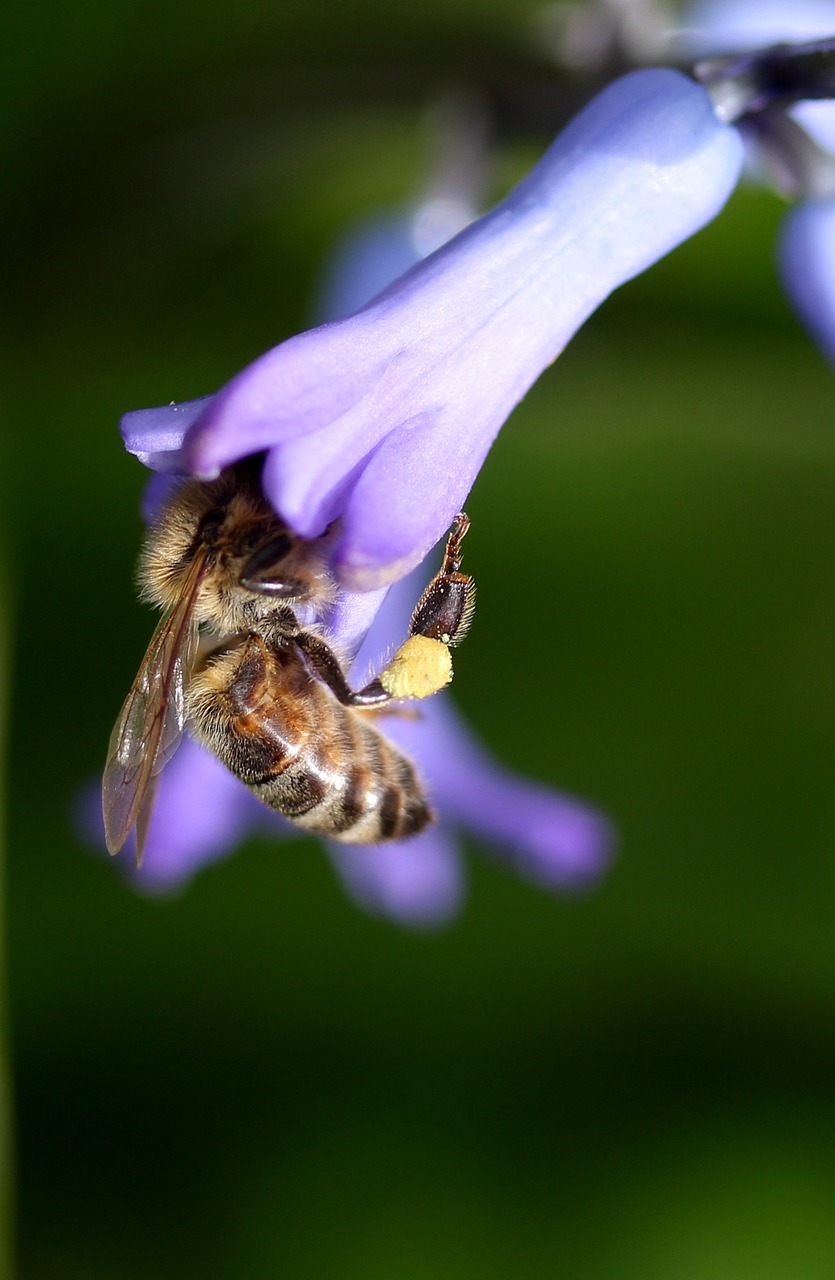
(240, 659)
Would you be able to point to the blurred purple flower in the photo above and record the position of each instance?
(806, 260)
(202, 812)
(795, 147)
(384, 418)
(372, 255)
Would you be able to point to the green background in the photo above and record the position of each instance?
(254, 1079)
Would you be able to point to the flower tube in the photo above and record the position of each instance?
(384, 418)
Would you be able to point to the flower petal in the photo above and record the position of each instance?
(389, 626)
(308, 382)
(156, 436)
(347, 621)
(643, 167)
(552, 838)
(372, 255)
(806, 259)
(201, 813)
(156, 493)
(414, 882)
(394, 515)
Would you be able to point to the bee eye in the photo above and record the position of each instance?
(262, 572)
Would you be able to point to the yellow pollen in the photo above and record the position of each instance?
(420, 668)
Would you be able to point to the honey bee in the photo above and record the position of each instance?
(239, 658)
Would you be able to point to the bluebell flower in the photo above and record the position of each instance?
(382, 420)
(794, 148)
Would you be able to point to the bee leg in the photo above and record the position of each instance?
(443, 614)
(328, 668)
(445, 610)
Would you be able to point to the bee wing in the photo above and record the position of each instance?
(151, 721)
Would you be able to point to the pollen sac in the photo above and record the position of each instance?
(422, 666)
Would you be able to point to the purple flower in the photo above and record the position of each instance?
(806, 260)
(384, 418)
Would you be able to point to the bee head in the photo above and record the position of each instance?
(253, 561)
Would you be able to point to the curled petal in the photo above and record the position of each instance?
(307, 383)
(806, 258)
(156, 435)
(415, 882)
(401, 466)
(389, 627)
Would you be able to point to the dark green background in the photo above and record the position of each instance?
(255, 1079)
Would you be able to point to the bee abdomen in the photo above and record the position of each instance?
(324, 766)
(350, 785)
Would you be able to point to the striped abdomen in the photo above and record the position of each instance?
(324, 766)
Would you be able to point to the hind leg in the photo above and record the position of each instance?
(422, 665)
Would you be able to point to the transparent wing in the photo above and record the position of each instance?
(151, 722)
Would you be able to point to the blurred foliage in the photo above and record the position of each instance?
(254, 1079)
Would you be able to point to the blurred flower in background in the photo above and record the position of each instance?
(202, 812)
(374, 253)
